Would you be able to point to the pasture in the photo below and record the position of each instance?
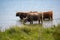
(31, 32)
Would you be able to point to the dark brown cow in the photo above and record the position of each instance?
(33, 16)
(48, 15)
(21, 15)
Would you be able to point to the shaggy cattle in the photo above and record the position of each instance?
(33, 16)
(48, 15)
(21, 15)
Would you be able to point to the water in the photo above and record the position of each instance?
(7, 21)
(8, 9)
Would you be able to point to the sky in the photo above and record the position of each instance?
(10, 7)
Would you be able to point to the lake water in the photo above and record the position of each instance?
(8, 9)
(7, 21)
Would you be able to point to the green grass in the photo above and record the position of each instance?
(29, 32)
(56, 33)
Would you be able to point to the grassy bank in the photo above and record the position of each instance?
(30, 32)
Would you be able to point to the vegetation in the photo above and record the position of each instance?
(31, 32)
(56, 33)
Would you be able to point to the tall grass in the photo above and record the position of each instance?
(28, 32)
(56, 33)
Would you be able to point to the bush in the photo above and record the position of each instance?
(56, 33)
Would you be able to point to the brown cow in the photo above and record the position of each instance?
(33, 16)
(21, 15)
(48, 15)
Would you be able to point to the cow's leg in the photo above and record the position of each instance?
(31, 19)
(31, 22)
(50, 18)
(39, 21)
(24, 20)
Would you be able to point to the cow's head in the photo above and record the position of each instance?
(18, 13)
(21, 15)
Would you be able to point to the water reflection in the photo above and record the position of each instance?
(47, 23)
(18, 23)
(51, 23)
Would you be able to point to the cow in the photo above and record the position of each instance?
(21, 15)
(48, 15)
(39, 16)
(33, 16)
